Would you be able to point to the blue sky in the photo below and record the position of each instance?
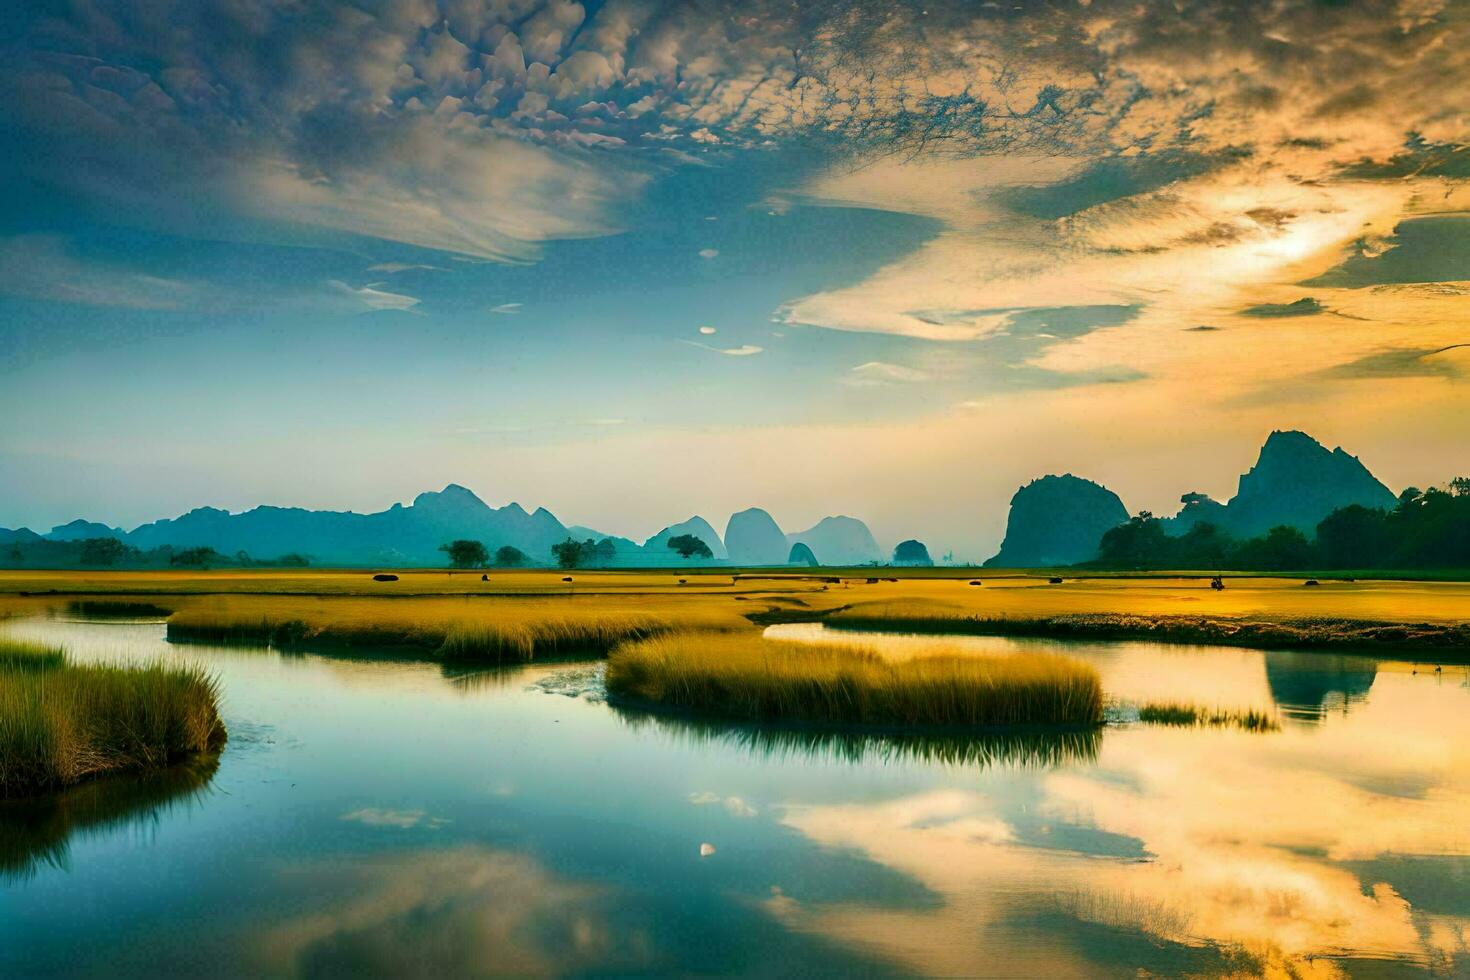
(634, 261)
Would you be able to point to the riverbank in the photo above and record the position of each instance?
(1445, 641)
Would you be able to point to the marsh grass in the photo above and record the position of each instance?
(1184, 714)
(747, 677)
(115, 609)
(62, 723)
(1450, 641)
(511, 635)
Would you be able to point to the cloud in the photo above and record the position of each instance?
(1306, 306)
(743, 351)
(401, 819)
(45, 267)
(881, 373)
(372, 298)
(734, 805)
(708, 253)
(1403, 363)
(707, 331)
(506, 309)
(391, 268)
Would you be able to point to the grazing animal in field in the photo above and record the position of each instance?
(1217, 583)
(975, 581)
(567, 579)
(1054, 581)
(484, 578)
(683, 581)
(872, 581)
(1311, 581)
(382, 577)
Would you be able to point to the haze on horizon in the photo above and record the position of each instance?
(633, 261)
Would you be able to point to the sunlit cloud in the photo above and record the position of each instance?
(372, 298)
(745, 350)
(506, 309)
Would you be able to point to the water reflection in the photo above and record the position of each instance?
(1308, 686)
(38, 833)
(465, 911)
(1026, 748)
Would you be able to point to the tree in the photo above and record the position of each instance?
(464, 553)
(194, 557)
(1460, 486)
(1282, 548)
(1353, 537)
(568, 554)
(507, 556)
(293, 560)
(690, 546)
(103, 551)
(1139, 543)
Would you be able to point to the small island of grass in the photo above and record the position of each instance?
(62, 723)
(748, 677)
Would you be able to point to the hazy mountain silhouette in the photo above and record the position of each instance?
(80, 530)
(406, 535)
(697, 526)
(801, 554)
(839, 541)
(1296, 481)
(1057, 520)
(753, 538)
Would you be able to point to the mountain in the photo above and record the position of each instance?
(80, 530)
(840, 541)
(658, 545)
(753, 538)
(402, 535)
(912, 552)
(1057, 520)
(801, 554)
(21, 535)
(1296, 481)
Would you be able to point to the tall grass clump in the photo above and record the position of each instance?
(61, 723)
(747, 677)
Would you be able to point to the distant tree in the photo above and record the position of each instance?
(690, 546)
(507, 556)
(103, 551)
(464, 553)
(568, 554)
(1140, 542)
(1282, 548)
(604, 552)
(1460, 486)
(195, 557)
(243, 559)
(1354, 537)
(293, 560)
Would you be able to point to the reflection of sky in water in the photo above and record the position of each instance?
(372, 816)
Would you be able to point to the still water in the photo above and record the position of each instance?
(373, 816)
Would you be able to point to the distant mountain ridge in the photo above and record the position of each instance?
(1295, 481)
(412, 534)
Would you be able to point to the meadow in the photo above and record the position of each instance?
(745, 676)
(62, 723)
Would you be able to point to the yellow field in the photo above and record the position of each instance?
(719, 600)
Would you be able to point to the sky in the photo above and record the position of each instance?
(634, 261)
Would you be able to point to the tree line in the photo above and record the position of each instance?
(1427, 529)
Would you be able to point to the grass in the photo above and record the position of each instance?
(1449, 641)
(484, 631)
(1188, 715)
(114, 608)
(62, 723)
(747, 677)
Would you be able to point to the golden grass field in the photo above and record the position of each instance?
(710, 598)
